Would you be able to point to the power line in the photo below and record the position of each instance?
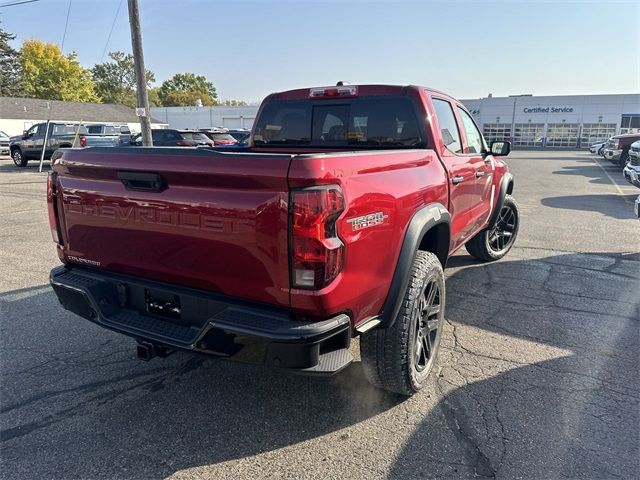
(106, 45)
(19, 2)
(64, 35)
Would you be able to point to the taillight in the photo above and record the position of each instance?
(83, 141)
(51, 206)
(317, 254)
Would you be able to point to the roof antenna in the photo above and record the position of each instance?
(341, 83)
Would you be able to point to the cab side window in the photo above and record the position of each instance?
(474, 138)
(157, 137)
(448, 125)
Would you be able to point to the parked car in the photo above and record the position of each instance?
(632, 169)
(199, 138)
(617, 148)
(241, 135)
(4, 143)
(163, 137)
(597, 148)
(29, 145)
(103, 135)
(336, 222)
(220, 136)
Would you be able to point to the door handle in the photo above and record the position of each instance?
(457, 179)
(480, 174)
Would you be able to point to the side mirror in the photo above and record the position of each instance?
(500, 148)
(25, 135)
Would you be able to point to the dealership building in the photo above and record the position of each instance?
(568, 121)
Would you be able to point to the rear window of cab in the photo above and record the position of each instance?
(376, 121)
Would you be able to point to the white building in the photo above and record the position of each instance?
(19, 114)
(206, 117)
(569, 121)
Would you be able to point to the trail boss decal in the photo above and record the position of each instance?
(367, 221)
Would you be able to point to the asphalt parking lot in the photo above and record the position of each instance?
(538, 373)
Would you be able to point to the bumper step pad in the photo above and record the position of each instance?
(330, 362)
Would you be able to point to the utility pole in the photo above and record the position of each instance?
(141, 82)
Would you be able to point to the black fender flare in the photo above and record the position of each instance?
(506, 187)
(422, 222)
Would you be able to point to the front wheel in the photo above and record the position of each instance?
(494, 243)
(18, 158)
(400, 357)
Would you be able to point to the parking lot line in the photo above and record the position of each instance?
(613, 182)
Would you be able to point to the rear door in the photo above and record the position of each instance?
(482, 166)
(463, 194)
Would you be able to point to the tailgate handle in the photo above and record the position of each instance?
(149, 182)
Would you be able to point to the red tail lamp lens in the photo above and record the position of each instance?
(317, 252)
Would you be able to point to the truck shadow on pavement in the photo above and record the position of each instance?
(76, 403)
(590, 169)
(31, 167)
(540, 373)
(539, 378)
(611, 205)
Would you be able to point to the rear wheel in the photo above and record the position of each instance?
(400, 358)
(18, 158)
(494, 243)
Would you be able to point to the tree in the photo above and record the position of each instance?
(184, 89)
(115, 81)
(9, 67)
(154, 97)
(50, 75)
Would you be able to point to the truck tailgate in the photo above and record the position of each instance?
(217, 222)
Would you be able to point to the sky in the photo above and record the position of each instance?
(468, 49)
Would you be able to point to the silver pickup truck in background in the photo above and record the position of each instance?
(108, 135)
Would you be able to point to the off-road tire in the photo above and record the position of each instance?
(18, 158)
(389, 354)
(480, 245)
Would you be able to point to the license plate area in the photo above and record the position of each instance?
(163, 304)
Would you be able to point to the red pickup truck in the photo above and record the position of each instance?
(335, 222)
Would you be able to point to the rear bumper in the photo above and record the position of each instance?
(204, 322)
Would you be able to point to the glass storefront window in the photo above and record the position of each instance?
(528, 134)
(562, 135)
(496, 131)
(596, 132)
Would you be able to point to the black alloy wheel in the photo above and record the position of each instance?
(427, 325)
(502, 235)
